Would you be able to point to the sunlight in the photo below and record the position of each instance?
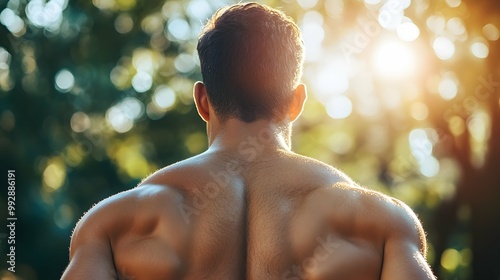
(393, 59)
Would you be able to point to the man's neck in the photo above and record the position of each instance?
(235, 135)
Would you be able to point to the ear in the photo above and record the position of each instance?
(201, 101)
(298, 101)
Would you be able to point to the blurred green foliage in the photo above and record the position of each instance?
(403, 97)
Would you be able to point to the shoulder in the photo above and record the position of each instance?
(179, 174)
(117, 213)
(385, 215)
(403, 224)
(317, 171)
(133, 213)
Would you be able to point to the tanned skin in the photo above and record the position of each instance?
(248, 208)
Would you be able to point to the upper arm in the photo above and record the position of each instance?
(91, 256)
(405, 246)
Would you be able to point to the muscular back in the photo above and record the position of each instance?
(273, 216)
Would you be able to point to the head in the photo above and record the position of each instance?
(251, 60)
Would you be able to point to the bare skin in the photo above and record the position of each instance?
(248, 208)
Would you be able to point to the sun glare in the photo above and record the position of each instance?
(393, 59)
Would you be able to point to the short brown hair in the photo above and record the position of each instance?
(251, 60)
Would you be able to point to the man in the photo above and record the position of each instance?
(248, 207)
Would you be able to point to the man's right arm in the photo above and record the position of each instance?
(90, 250)
(405, 246)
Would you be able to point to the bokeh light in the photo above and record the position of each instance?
(448, 88)
(391, 14)
(456, 26)
(164, 97)
(478, 126)
(80, 122)
(421, 148)
(132, 107)
(13, 22)
(120, 77)
(393, 59)
(436, 24)
(142, 81)
(339, 107)
(307, 4)
(408, 31)
(54, 174)
(64, 81)
(121, 116)
(419, 111)
(480, 50)
(491, 32)
(124, 23)
(48, 15)
(429, 166)
(456, 125)
(118, 120)
(334, 8)
(454, 3)
(199, 9)
(313, 34)
(450, 259)
(6, 82)
(179, 29)
(444, 48)
(331, 79)
(184, 63)
(372, 2)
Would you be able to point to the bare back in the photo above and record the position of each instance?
(216, 216)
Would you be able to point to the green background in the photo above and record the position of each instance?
(95, 95)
